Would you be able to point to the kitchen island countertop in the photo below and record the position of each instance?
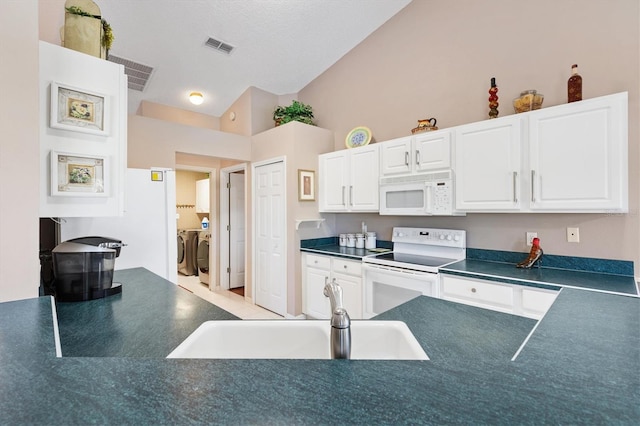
(578, 366)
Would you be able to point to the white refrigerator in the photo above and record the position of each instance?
(148, 226)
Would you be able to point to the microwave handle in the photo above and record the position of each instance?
(428, 207)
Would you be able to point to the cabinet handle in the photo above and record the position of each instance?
(473, 290)
(343, 202)
(417, 158)
(515, 181)
(351, 195)
(406, 158)
(533, 187)
(344, 266)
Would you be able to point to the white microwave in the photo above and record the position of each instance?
(425, 194)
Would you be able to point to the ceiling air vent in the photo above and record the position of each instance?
(138, 74)
(219, 45)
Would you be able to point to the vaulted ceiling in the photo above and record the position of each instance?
(278, 45)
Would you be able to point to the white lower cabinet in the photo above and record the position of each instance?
(536, 302)
(316, 269)
(528, 302)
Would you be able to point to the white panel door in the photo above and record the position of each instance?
(236, 230)
(364, 193)
(270, 251)
(488, 166)
(333, 169)
(432, 151)
(395, 156)
(578, 156)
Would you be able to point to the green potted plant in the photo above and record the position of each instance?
(297, 111)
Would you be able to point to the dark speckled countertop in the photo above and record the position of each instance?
(578, 366)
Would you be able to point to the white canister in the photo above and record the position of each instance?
(359, 240)
(342, 239)
(351, 240)
(370, 241)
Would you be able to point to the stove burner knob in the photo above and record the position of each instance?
(449, 238)
(442, 236)
(456, 238)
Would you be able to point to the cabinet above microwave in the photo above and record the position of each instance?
(416, 154)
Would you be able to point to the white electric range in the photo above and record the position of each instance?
(411, 269)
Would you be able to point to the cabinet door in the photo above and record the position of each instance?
(578, 156)
(316, 304)
(333, 181)
(432, 150)
(351, 294)
(363, 191)
(395, 156)
(202, 196)
(536, 302)
(487, 165)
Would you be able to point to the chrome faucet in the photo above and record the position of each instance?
(340, 322)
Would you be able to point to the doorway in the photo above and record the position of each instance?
(270, 235)
(233, 228)
(196, 192)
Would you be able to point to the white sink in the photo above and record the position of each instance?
(297, 339)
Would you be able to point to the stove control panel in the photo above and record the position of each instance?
(430, 236)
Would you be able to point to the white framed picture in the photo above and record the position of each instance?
(79, 175)
(78, 110)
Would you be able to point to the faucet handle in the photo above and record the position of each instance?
(333, 291)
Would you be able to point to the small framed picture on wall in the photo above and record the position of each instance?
(306, 185)
(77, 175)
(78, 110)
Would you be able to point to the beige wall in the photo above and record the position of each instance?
(177, 115)
(19, 151)
(154, 143)
(251, 113)
(436, 58)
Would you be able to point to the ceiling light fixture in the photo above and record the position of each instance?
(196, 98)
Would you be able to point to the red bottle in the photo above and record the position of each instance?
(574, 85)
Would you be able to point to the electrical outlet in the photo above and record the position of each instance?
(530, 237)
(573, 235)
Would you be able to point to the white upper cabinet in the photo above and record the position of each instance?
(569, 158)
(348, 180)
(488, 166)
(415, 154)
(578, 156)
(202, 196)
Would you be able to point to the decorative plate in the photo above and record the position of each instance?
(360, 136)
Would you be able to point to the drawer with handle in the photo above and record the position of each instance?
(479, 293)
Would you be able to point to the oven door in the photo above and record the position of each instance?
(386, 287)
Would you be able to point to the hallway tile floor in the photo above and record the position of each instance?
(224, 299)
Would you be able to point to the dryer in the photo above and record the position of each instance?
(187, 248)
(204, 237)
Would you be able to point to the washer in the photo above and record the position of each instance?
(187, 248)
(203, 256)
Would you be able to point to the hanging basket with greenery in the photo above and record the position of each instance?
(297, 111)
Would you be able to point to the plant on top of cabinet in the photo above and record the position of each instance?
(297, 111)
